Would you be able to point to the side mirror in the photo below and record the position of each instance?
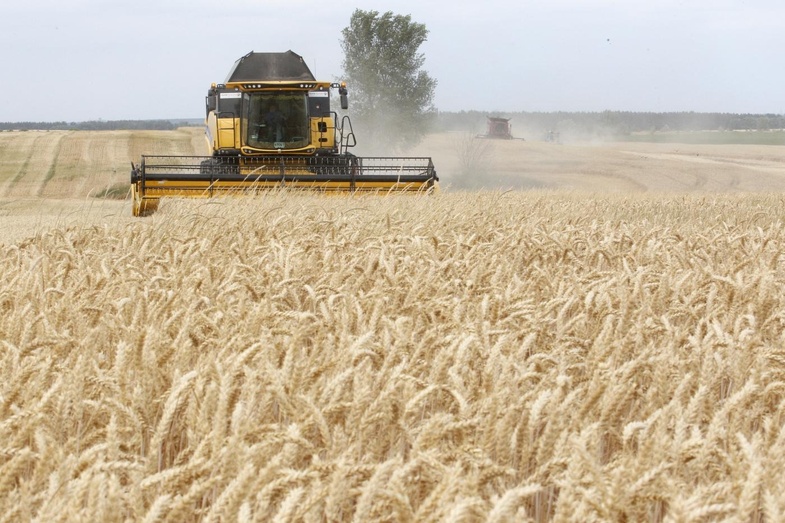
(210, 101)
(344, 101)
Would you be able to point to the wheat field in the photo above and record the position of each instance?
(605, 346)
(489, 356)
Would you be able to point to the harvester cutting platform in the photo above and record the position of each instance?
(269, 125)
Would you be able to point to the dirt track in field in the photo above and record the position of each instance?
(49, 179)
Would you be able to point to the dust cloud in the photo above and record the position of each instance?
(464, 162)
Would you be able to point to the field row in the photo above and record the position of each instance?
(78, 164)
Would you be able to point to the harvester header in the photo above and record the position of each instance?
(270, 125)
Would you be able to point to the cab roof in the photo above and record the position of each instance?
(261, 67)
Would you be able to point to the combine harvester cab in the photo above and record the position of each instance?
(269, 126)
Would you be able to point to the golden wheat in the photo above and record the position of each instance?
(465, 357)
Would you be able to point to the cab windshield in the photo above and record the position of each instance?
(277, 120)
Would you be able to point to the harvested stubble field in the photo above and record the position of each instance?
(490, 356)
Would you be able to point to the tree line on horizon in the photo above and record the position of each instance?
(94, 125)
(616, 122)
(622, 122)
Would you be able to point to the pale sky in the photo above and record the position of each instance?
(77, 60)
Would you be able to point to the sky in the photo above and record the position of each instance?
(79, 60)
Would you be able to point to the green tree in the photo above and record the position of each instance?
(391, 96)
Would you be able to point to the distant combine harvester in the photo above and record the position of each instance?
(498, 128)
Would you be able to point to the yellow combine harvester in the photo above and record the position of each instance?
(269, 125)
